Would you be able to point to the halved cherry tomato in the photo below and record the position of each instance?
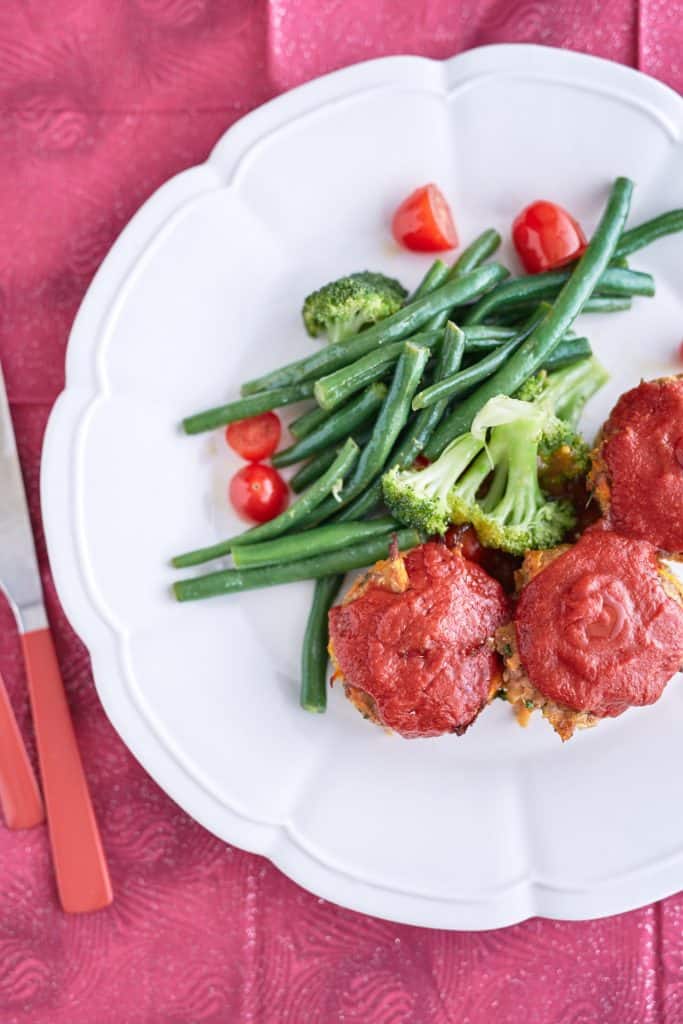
(546, 236)
(424, 221)
(256, 438)
(258, 492)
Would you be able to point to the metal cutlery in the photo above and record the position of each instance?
(79, 862)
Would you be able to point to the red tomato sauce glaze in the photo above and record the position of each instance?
(642, 453)
(424, 655)
(596, 629)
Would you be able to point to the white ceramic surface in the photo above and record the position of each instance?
(202, 289)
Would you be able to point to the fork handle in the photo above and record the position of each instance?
(20, 798)
(80, 865)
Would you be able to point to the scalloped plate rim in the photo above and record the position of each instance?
(527, 897)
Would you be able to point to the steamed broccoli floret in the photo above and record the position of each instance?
(533, 387)
(565, 459)
(566, 391)
(421, 497)
(493, 476)
(563, 451)
(513, 514)
(340, 308)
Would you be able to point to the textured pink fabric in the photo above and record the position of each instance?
(100, 102)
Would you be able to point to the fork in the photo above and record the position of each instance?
(20, 798)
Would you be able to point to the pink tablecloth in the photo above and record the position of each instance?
(100, 102)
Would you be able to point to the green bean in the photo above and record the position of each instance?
(450, 387)
(649, 231)
(464, 380)
(434, 278)
(483, 246)
(337, 387)
(312, 469)
(568, 351)
(535, 313)
(607, 304)
(293, 546)
(505, 319)
(388, 425)
(342, 424)
(596, 304)
(243, 408)
(314, 656)
(620, 282)
(328, 483)
(486, 335)
(470, 258)
(511, 316)
(316, 466)
(399, 325)
(616, 261)
(566, 348)
(391, 420)
(309, 421)
(416, 434)
(534, 352)
(613, 281)
(522, 289)
(367, 502)
(421, 429)
(233, 581)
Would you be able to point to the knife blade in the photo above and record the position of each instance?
(19, 573)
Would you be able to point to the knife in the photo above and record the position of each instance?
(80, 866)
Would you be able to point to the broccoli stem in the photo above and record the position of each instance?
(463, 464)
(522, 496)
(570, 388)
(497, 455)
(454, 462)
(474, 474)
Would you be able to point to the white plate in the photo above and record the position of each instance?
(202, 290)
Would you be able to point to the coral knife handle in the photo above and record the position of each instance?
(79, 861)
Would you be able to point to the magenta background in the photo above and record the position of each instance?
(100, 102)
